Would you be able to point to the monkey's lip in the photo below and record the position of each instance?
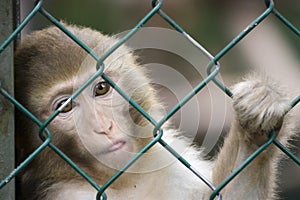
(116, 146)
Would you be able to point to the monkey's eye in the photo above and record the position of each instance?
(67, 108)
(101, 88)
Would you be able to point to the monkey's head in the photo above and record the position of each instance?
(49, 67)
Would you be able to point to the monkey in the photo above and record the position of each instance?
(100, 132)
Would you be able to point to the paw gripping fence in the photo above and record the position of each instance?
(212, 70)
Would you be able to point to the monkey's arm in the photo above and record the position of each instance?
(259, 107)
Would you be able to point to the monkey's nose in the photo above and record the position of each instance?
(103, 128)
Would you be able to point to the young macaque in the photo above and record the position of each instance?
(100, 132)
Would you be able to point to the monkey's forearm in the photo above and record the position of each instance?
(224, 164)
(260, 173)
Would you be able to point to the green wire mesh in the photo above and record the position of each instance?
(212, 71)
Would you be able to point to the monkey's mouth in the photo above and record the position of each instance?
(116, 146)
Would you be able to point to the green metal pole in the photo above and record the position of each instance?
(7, 158)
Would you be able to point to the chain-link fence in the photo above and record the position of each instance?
(212, 69)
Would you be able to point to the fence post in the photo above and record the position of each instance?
(7, 147)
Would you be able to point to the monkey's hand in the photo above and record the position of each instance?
(259, 107)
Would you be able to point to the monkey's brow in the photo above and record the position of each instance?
(69, 86)
(63, 88)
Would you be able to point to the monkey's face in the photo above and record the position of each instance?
(98, 122)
